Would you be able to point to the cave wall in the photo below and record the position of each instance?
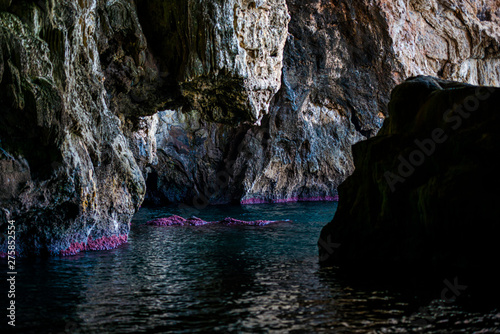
(455, 40)
(299, 148)
(106, 103)
(67, 174)
(225, 57)
(335, 79)
(340, 62)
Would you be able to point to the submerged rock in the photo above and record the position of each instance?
(425, 190)
(177, 221)
(194, 221)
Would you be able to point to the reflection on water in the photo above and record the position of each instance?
(245, 279)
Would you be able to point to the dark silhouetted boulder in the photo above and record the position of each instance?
(425, 192)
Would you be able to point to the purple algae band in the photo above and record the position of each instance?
(104, 243)
(194, 221)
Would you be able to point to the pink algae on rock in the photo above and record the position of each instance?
(104, 243)
(177, 221)
(195, 221)
(235, 222)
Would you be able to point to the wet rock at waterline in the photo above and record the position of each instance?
(195, 221)
(104, 243)
(425, 190)
(67, 71)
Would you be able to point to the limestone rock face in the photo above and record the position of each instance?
(224, 56)
(194, 164)
(454, 39)
(68, 174)
(262, 29)
(141, 133)
(336, 80)
(131, 76)
(301, 150)
(425, 190)
(340, 63)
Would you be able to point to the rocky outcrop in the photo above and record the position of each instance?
(195, 221)
(301, 150)
(456, 40)
(336, 80)
(225, 57)
(340, 63)
(68, 175)
(425, 190)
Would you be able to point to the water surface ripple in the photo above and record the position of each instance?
(220, 279)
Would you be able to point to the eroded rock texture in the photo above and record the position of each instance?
(457, 40)
(259, 101)
(334, 87)
(340, 62)
(335, 80)
(425, 190)
(224, 56)
(68, 175)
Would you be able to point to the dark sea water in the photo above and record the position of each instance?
(217, 279)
